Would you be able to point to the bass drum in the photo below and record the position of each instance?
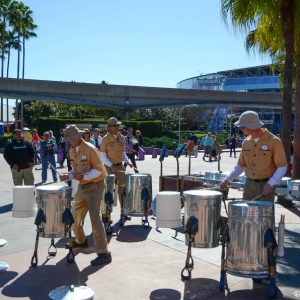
(247, 223)
(53, 200)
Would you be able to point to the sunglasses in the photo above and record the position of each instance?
(242, 127)
(115, 125)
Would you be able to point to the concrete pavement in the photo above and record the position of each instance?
(147, 262)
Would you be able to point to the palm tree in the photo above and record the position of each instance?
(28, 28)
(4, 12)
(246, 15)
(11, 43)
(22, 22)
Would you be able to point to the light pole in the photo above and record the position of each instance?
(189, 105)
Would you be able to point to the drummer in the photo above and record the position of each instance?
(113, 153)
(89, 170)
(262, 158)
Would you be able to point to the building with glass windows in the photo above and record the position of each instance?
(261, 79)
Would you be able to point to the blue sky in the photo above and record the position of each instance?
(142, 43)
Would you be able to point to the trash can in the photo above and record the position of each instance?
(205, 205)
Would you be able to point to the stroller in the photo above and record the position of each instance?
(214, 153)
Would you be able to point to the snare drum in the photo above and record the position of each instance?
(135, 183)
(53, 200)
(247, 223)
(205, 205)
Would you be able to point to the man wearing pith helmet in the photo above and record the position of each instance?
(113, 153)
(262, 158)
(89, 170)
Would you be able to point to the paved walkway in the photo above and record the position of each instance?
(146, 262)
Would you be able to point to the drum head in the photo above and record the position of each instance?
(202, 192)
(66, 292)
(3, 242)
(3, 266)
(53, 188)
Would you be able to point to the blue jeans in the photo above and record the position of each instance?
(51, 160)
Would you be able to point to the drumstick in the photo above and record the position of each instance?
(53, 168)
(257, 196)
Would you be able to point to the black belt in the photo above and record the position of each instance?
(116, 165)
(260, 180)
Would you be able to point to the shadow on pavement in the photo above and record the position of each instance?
(165, 294)
(201, 288)
(38, 282)
(5, 208)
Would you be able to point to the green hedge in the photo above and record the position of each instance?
(148, 128)
(5, 139)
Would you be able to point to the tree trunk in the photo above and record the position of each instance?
(296, 167)
(18, 76)
(288, 33)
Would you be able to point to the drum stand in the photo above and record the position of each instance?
(269, 243)
(108, 198)
(68, 220)
(38, 221)
(145, 196)
(191, 228)
(3, 265)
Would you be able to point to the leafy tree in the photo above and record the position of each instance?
(247, 15)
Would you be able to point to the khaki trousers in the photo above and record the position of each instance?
(88, 199)
(253, 189)
(120, 180)
(24, 174)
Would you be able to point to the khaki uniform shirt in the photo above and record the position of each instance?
(261, 159)
(86, 159)
(113, 147)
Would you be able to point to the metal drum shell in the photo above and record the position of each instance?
(134, 204)
(211, 175)
(247, 223)
(294, 185)
(109, 186)
(205, 205)
(284, 182)
(53, 200)
(221, 176)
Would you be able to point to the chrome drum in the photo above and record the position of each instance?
(135, 183)
(221, 176)
(284, 182)
(294, 185)
(205, 205)
(247, 223)
(53, 200)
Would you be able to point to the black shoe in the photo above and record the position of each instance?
(102, 259)
(128, 218)
(77, 245)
